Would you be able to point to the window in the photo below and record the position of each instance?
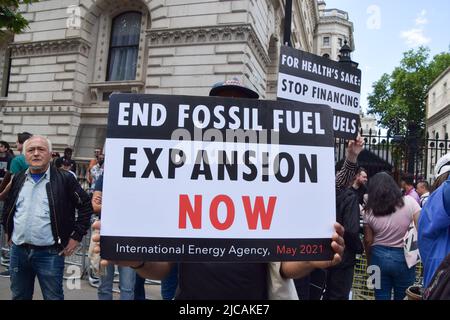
(6, 74)
(326, 41)
(5, 65)
(340, 42)
(124, 46)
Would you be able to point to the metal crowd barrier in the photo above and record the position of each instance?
(81, 256)
(360, 289)
(80, 259)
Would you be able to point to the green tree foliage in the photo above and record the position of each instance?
(10, 18)
(399, 98)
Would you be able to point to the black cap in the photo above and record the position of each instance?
(233, 84)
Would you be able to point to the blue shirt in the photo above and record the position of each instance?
(434, 231)
(99, 184)
(32, 222)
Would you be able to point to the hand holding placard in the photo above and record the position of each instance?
(354, 148)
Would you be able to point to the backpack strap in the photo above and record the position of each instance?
(439, 288)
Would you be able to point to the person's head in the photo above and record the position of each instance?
(361, 177)
(4, 147)
(21, 138)
(422, 187)
(55, 155)
(407, 182)
(101, 159)
(384, 195)
(66, 165)
(38, 153)
(97, 152)
(68, 153)
(232, 88)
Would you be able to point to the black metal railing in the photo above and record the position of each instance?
(398, 153)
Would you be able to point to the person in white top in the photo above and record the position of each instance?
(423, 190)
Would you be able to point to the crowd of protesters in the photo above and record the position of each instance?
(376, 212)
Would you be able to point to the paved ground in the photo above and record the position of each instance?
(75, 290)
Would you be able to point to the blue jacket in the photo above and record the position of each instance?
(434, 231)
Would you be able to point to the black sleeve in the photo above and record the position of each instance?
(347, 214)
(84, 206)
(58, 162)
(346, 175)
(73, 167)
(7, 204)
(351, 225)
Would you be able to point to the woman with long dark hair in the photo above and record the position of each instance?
(387, 216)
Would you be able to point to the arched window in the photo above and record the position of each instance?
(124, 46)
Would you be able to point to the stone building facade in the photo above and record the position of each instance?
(438, 113)
(56, 76)
(368, 123)
(333, 30)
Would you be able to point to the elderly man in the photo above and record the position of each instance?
(40, 222)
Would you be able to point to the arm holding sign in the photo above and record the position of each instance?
(289, 269)
(97, 201)
(354, 148)
(97, 196)
(348, 171)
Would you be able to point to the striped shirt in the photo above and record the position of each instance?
(345, 176)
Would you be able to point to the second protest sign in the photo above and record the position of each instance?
(309, 78)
